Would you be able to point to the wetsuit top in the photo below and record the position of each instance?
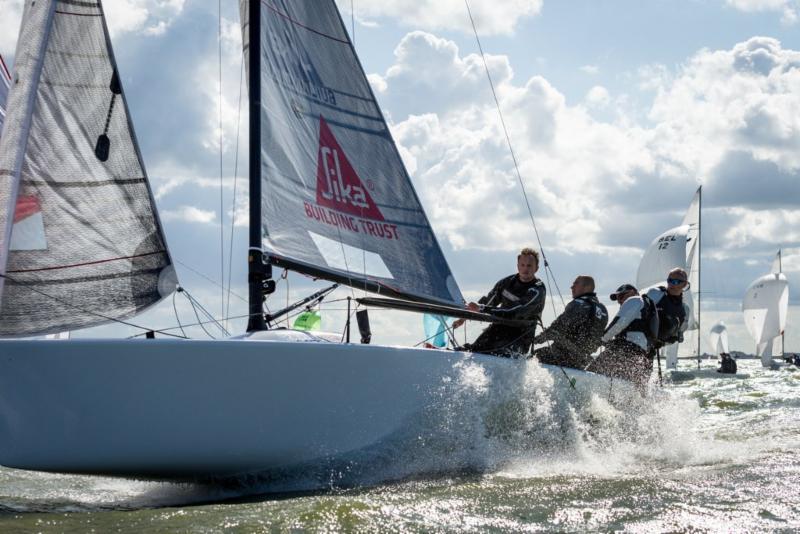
(511, 298)
(672, 315)
(580, 327)
(631, 324)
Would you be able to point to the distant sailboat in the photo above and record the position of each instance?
(81, 244)
(765, 306)
(677, 247)
(718, 338)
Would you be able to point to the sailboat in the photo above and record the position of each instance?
(81, 244)
(677, 247)
(765, 306)
(718, 338)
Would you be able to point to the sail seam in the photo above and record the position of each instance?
(296, 23)
(81, 279)
(99, 183)
(79, 14)
(89, 263)
(329, 106)
(79, 3)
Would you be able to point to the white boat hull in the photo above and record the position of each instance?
(180, 409)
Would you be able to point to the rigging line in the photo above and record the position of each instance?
(511, 150)
(84, 310)
(199, 321)
(361, 208)
(194, 309)
(177, 318)
(235, 181)
(165, 330)
(208, 279)
(207, 314)
(221, 189)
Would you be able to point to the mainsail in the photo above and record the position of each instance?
(765, 306)
(80, 240)
(336, 199)
(677, 247)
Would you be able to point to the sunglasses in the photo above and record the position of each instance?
(675, 281)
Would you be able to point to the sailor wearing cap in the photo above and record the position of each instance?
(628, 339)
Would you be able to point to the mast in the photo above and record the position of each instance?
(699, 261)
(783, 332)
(257, 272)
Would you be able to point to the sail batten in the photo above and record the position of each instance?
(336, 200)
(85, 244)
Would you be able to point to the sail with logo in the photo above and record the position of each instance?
(338, 204)
(677, 247)
(80, 240)
(765, 306)
(337, 200)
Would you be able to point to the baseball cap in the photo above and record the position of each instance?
(624, 288)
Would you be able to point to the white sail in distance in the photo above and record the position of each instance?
(80, 239)
(718, 338)
(677, 247)
(765, 307)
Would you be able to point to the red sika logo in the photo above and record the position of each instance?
(26, 206)
(338, 185)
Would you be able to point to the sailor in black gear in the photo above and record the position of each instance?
(576, 333)
(628, 339)
(727, 364)
(520, 296)
(673, 313)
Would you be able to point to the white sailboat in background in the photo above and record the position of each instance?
(677, 247)
(718, 338)
(765, 307)
(81, 244)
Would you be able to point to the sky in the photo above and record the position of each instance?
(616, 110)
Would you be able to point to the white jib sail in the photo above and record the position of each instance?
(765, 305)
(80, 239)
(677, 247)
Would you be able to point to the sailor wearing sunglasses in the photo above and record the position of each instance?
(672, 310)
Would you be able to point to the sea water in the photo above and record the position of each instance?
(520, 454)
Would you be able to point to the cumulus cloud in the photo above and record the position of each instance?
(9, 26)
(491, 16)
(150, 17)
(189, 214)
(787, 8)
(725, 118)
(598, 97)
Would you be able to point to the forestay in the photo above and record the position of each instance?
(80, 242)
(337, 201)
